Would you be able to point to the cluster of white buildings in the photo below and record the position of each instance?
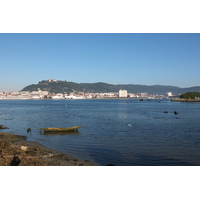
(76, 95)
(24, 95)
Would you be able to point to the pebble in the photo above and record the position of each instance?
(24, 148)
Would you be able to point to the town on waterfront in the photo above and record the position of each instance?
(42, 94)
(39, 94)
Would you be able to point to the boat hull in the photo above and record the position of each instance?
(75, 128)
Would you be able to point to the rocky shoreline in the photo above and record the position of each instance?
(15, 150)
(185, 100)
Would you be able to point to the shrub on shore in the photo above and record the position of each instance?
(190, 95)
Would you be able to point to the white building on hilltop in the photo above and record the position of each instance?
(52, 80)
(123, 94)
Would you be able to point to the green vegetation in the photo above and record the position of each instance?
(190, 95)
(67, 87)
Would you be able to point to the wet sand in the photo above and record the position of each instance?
(16, 151)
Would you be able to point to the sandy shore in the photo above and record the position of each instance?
(16, 151)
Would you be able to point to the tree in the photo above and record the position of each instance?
(190, 95)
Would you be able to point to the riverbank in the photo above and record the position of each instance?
(15, 150)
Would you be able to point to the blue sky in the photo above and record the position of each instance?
(124, 58)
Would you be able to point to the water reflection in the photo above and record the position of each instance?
(59, 132)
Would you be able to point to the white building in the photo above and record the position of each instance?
(39, 94)
(144, 94)
(58, 96)
(123, 93)
(53, 80)
(73, 97)
(169, 94)
(131, 95)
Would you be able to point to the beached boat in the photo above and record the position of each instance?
(75, 128)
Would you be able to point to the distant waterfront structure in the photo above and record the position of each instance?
(39, 94)
(169, 94)
(58, 96)
(123, 94)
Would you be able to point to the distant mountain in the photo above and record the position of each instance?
(67, 87)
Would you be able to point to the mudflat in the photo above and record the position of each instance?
(15, 150)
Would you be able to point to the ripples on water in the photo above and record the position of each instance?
(119, 132)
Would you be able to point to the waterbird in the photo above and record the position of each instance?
(129, 125)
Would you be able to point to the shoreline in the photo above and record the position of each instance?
(123, 98)
(185, 100)
(15, 150)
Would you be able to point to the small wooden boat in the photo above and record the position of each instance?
(75, 128)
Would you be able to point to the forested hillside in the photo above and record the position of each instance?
(67, 87)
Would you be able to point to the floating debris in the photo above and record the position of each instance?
(28, 130)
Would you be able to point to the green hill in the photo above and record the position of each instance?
(67, 87)
(190, 95)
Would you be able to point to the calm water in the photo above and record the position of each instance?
(119, 132)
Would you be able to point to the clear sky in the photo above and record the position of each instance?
(124, 58)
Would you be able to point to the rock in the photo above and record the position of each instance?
(16, 161)
(24, 148)
(49, 155)
(3, 127)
